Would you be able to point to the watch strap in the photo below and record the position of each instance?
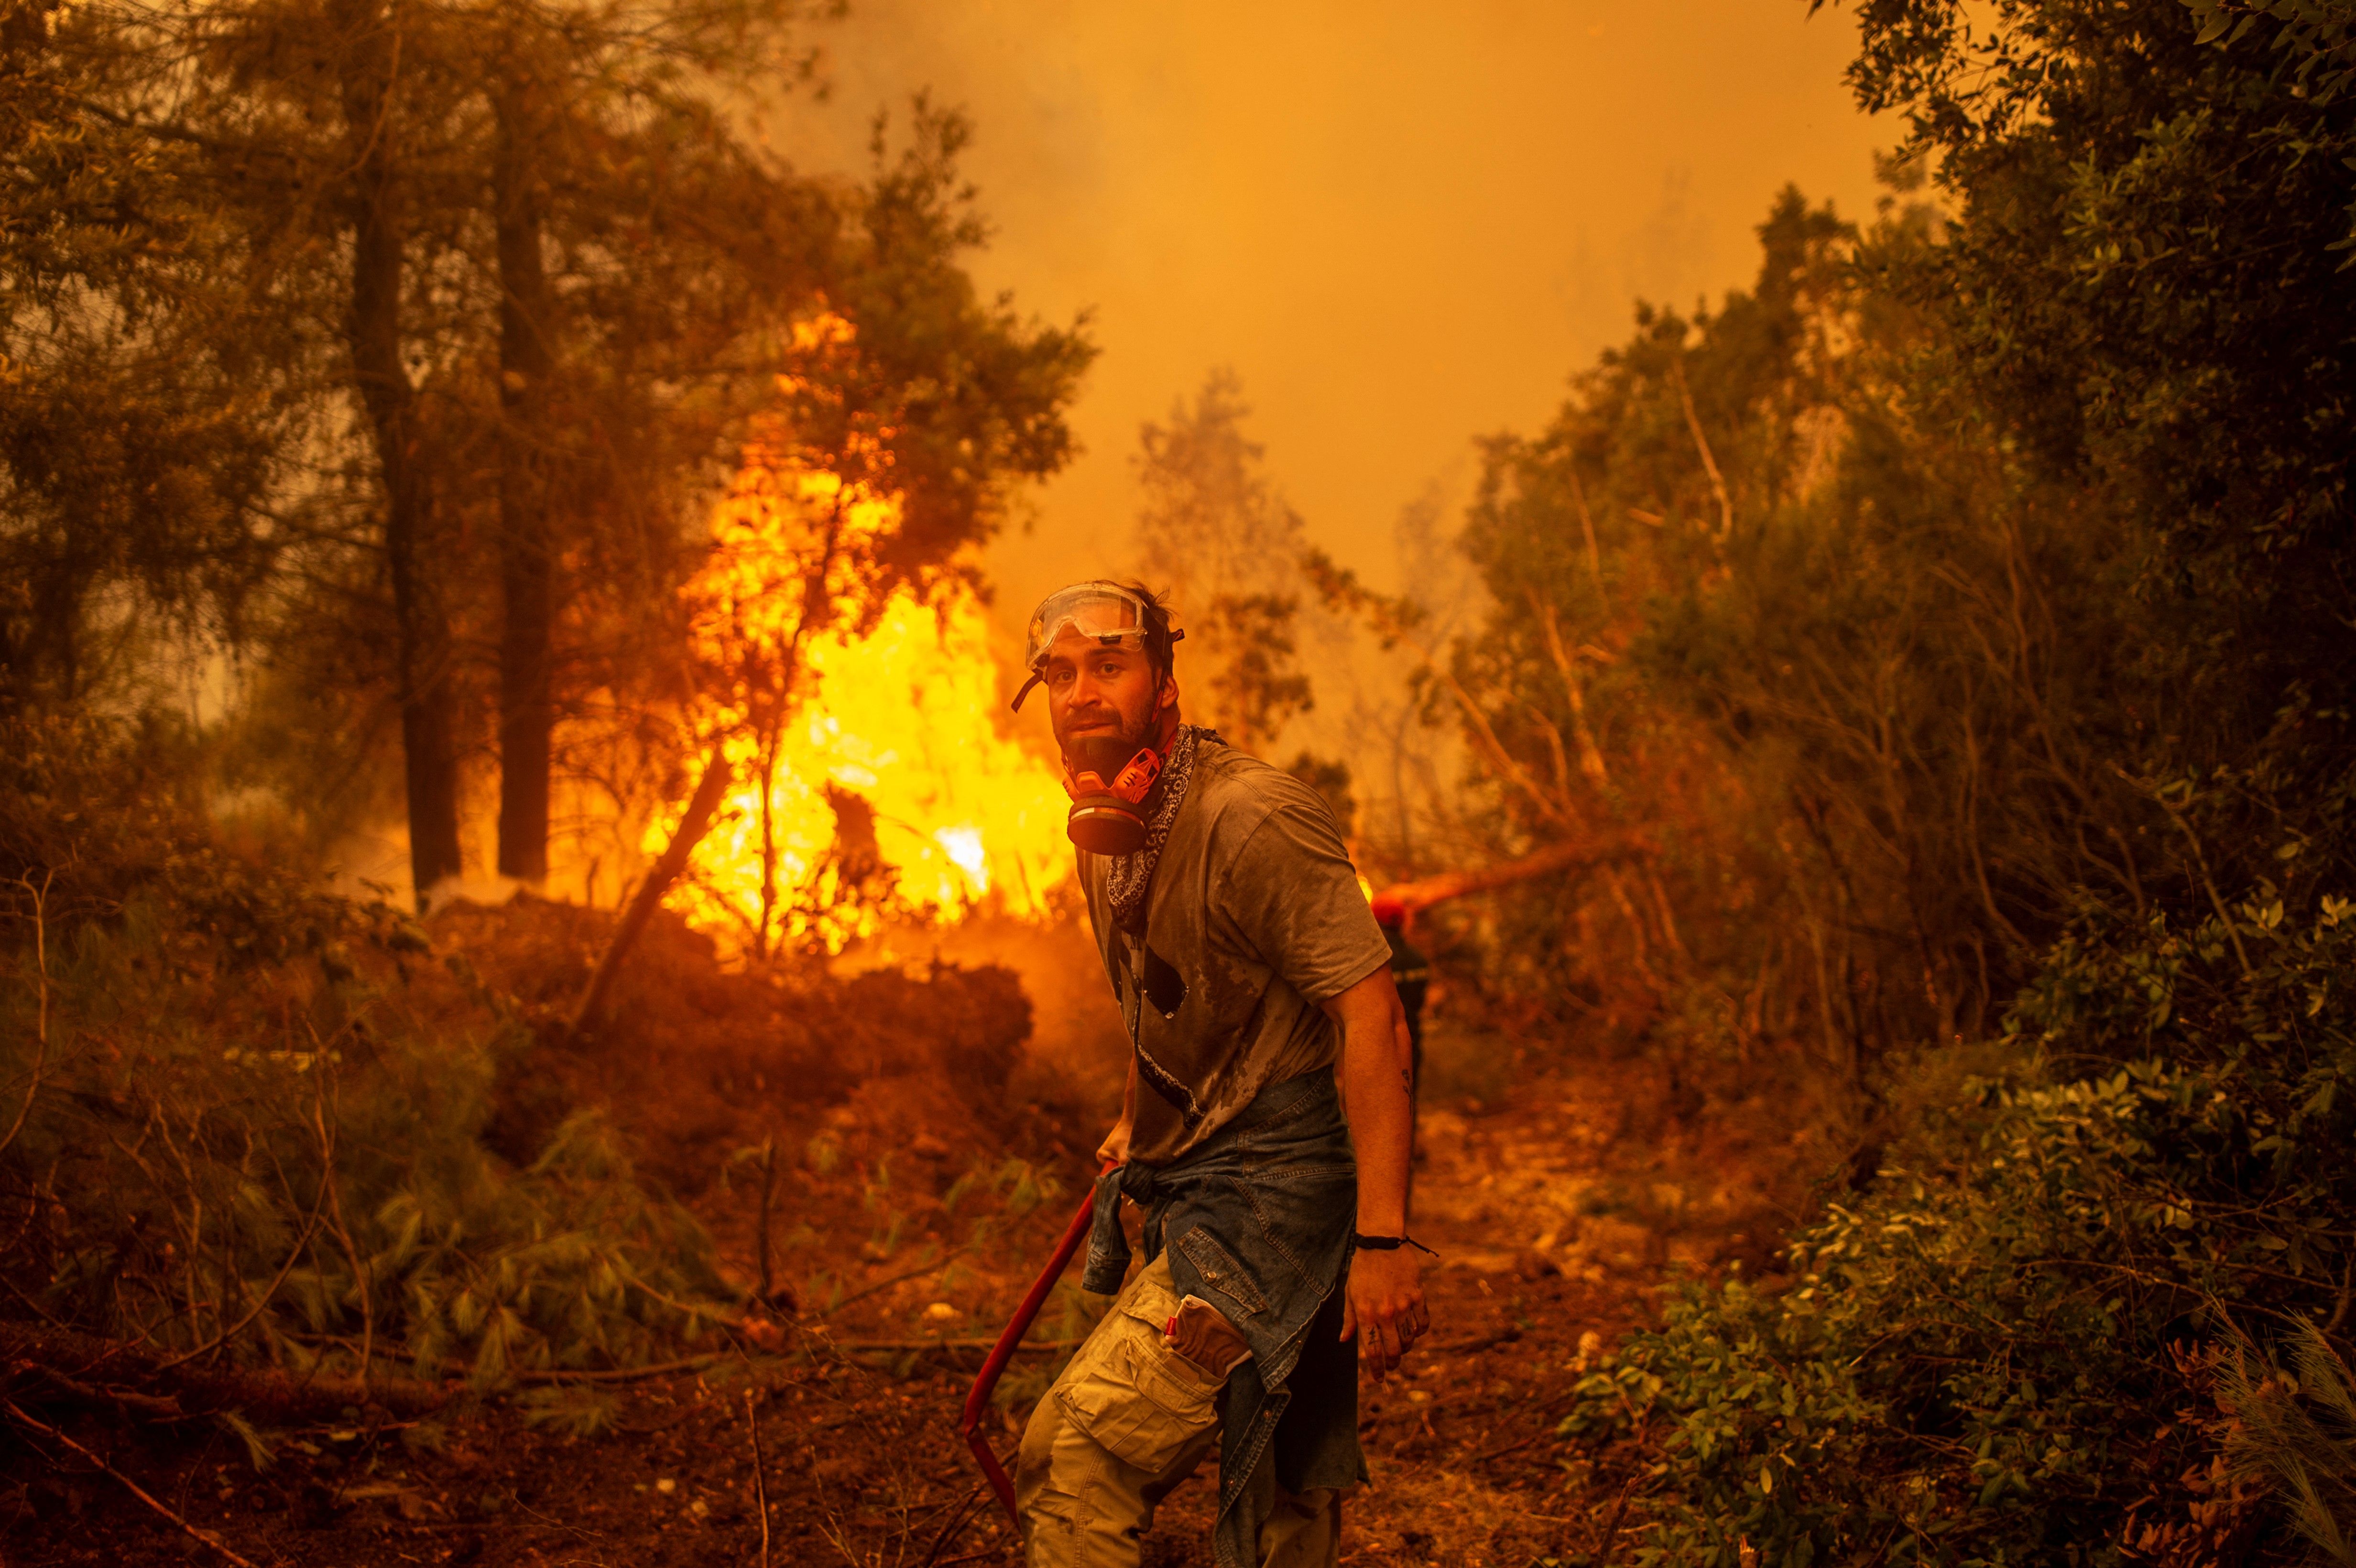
(1388, 1244)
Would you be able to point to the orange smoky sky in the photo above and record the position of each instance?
(1403, 225)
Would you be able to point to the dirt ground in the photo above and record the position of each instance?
(1558, 1204)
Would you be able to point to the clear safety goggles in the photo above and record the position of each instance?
(1105, 613)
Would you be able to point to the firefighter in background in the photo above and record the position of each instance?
(1257, 989)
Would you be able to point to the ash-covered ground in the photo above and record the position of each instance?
(914, 1140)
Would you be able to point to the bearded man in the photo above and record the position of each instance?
(1256, 986)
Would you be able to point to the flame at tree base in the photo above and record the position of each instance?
(891, 795)
(870, 783)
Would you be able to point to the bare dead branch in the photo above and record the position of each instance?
(1029, 1347)
(1429, 890)
(1709, 463)
(41, 1014)
(760, 1476)
(205, 1537)
(1553, 810)
(769, 1198)
(960, 1517)
(1590, 756)
(1586, 527)
(302, 1246)
(361, 1281)
(881, 1285)
(1635, 929)
(2201, 864)
(692, 825)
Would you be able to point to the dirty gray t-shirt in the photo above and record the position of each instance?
(1255, 918)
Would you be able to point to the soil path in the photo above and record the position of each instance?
(1556, 1216)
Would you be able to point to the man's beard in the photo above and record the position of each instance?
(1131, 736)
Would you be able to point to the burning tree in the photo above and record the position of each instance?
(854, 718)
(908, 410)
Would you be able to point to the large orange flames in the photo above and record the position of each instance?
(872, 781)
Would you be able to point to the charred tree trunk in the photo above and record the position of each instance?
(527, 565)
(717, 777)
(692, 824)
(768, 837)
(373, 330)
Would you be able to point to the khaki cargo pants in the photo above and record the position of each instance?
(1128, 1421)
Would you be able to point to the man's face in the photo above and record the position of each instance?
(1095, 689)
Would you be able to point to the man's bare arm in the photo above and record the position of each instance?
(1386, 1293)
(1115, 1148)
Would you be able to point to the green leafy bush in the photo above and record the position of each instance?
(2008, 1350)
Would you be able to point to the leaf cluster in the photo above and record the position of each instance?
(2007, 1351)
(2143, 287)
(144, 406)
(1217, 537)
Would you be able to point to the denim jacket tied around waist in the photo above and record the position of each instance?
(1256, 1221)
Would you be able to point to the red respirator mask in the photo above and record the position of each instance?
(1110, 780)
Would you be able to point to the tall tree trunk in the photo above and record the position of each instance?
(368, 61)
(527, 568)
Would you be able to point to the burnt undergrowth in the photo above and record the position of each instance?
(269, 1157)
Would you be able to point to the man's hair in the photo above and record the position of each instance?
(1159, 654)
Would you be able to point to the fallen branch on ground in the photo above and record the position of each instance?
(84, 1369)
(760, 1477)
(134, 1488)
(882, 1285)
(620, 1374)
(1508, 1448)
(960, 1517)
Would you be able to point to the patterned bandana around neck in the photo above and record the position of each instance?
(1130, 877)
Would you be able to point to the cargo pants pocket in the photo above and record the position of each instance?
(1134, 1395)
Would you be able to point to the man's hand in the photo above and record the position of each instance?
(1386, 1300)
(1385, 1310)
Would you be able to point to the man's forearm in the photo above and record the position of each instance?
(1115, 1148)
(1385, 1312)
(1381, 1131)
(1374, 1083)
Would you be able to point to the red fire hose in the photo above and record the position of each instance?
(1004, 1351)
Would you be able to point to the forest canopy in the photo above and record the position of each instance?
(393, 353)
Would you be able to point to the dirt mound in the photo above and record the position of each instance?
(695, 1058)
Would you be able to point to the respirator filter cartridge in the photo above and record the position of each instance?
(1109, 780)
